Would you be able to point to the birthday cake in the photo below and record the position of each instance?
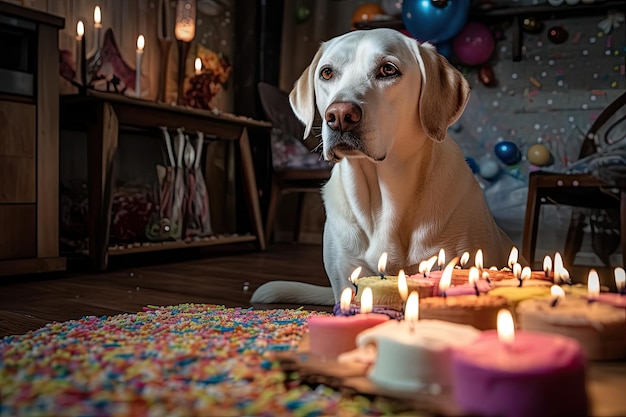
(600, 328)
(330, 336)
(385, 291)
(477, 311)
(537, 375)
(414, 356)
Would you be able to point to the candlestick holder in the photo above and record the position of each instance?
(183, 51)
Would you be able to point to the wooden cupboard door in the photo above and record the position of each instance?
(18, 223)
(18, 181)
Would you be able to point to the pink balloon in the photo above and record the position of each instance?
(474, 44)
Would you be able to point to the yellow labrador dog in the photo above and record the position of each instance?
(399, 184)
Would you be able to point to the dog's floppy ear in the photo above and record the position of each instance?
(443, 94)
(302, 96)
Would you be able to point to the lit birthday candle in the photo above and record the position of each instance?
(141, 42)
(97, 24)
(382, 263)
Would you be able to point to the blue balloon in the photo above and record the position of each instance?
(508, 152)
(434, 20)
(472, 164)
(445, 49)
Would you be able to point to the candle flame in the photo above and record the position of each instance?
(403, 288)
(557, 291)
(558, 266)
(97, 15)
(593, 285)
(446, 276)
(367, 300)
(513, 257)
(354, 277)
(564, 275)
(478, 259)
(430, 263)
(80, 29)
(198, 65)
(421, 268)
(346, 300)
(547, 264)
(141, 43)
(441, 259)
(474, 275)
(620, 278)
(464, 258)
(411, 311)
(506, 327)
(382, 262)
(517, 270)
(526, 273)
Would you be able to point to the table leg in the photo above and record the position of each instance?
(101, 150)
(251, 191)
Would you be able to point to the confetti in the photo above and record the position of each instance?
(190, 359)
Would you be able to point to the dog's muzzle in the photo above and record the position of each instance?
(343, 119)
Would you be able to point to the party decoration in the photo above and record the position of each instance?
(471, 162)
(508, 152)
(392, 7)
(557, 35)
(367, 11)
(489, 169)
(434, 20)
(532, 25)
(474, 44)
(539, 155)
(487, 76)
(444, 48)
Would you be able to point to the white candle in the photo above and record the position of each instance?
(198, 66)
(97, 24)
(141, 42)
(80, 41)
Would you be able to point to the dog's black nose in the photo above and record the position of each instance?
(343, 116)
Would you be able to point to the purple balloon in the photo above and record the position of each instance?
(474, 44)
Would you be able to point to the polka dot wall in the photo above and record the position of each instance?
(552, 96)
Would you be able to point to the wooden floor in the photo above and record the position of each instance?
(215, 276)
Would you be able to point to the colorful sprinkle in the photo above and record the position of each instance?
(190, 359)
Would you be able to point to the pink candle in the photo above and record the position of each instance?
(332, 335)
(515, 375)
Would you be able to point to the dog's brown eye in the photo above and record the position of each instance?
(326, 73)
(388, 70)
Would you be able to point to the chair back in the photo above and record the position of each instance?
(607, 130)
(288, 150)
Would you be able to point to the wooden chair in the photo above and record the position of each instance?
(582, 191)
(296, 168)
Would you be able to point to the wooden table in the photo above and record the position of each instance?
(101, 115)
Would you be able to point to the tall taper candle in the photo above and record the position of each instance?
(141, 42)
(97, 24)
(81, 75)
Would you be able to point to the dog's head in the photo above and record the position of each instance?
(375, 87)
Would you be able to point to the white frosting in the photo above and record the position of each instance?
(414, 357)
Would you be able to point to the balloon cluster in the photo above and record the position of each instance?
(509, 155)
(444, 23)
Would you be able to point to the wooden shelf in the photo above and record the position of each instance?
(517, 16)
(104, 115)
